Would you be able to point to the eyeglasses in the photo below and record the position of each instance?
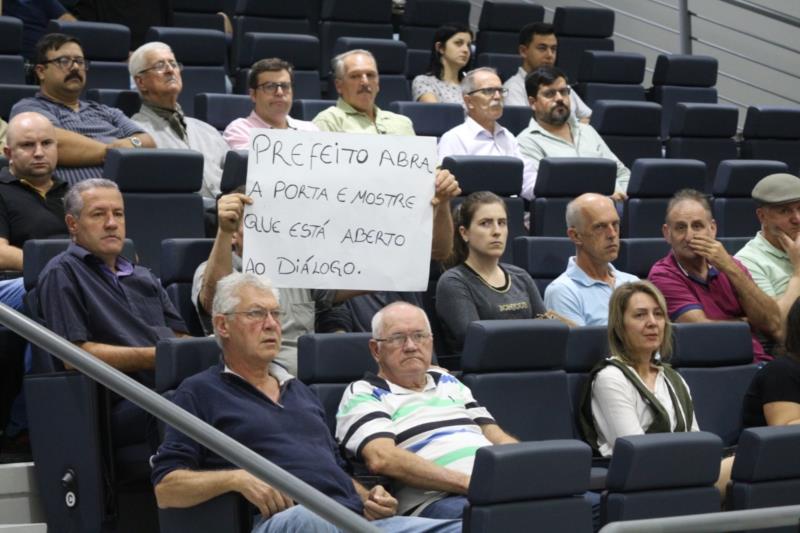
(400, 339)
(271, 87)
(550, 93)
(66, 62)
(489, 91)
(162, 66)
(260, 315)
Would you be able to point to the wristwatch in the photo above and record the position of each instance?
(135, 141)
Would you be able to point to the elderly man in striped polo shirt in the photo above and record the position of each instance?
(414, 422)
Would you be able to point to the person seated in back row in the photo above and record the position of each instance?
(450, 56)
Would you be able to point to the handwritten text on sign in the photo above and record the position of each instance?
(339, 211)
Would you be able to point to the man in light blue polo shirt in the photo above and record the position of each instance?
(582, 291)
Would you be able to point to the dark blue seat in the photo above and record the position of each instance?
(716, 362)
(200, 14)
(234, 171)
(506, 65)
(417, 62)
(544, 258)
(772, 132)
(580, 29)
(637, 255)
(682, 78)
(630, 129)
(733, 207)
(307, 109)
(611, 76)
(429, 119)
(652, 184)
(559, 180)
(422, 17)
(704, 132)
(353, 18)
(515, 369)
(10, 35)
(159, 187)
(390, 56)
(219, 110)
(517, 485)
(178, 359)
(516, 118)
(766, 472)
(179, 260)
(12, 69)
(500, 23)
(203, 55)
(662, 474)
(126, 100)
(106, 46)
(10, 94)
(302, 51)
(734, 244)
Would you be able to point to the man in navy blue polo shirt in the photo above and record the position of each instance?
(99, 300)
(259, 404)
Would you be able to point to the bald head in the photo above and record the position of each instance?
(593, 225)
(586, 204)
(25, 121)
(31, 147)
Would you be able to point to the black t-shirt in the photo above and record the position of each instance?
(777, 381)
(24, 214)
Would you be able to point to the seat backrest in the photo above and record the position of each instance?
(669, 96)
(422, 17)
(417, 62)
(586, 346)
(179, 260)
(100, 41)
(10, 35)
(505, 64)
(544, 258)
(631, 129)
(129, 102)
(516, 118)
(766, 472)
(515, 369)
(352, 18)
(219, 110)
(307, 109)
(607, 75)
(580, 29)
(638, 254)
(500, 23)
(542, 483)
(12, 69)
(302, 51)
(234, 170)
(178, 359)
(11, 93)
(686, 70)
(500, 174)
(772, 132)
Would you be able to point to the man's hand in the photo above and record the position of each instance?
(619, 196)
(230, 210)
(790, 246)
(712, 251)
(379, 504)
(268, 500)
(446, 187)
(123, 143)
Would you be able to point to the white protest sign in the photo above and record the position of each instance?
(339, 211)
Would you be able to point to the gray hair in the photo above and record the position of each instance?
(136, 63)
(73, 201)
(227, 295)
(377, 318)
(337, 63)
(574, 212)
(468, 83)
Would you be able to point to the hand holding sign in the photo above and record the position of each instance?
(333, 210)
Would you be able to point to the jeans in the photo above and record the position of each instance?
(448, 507)
(298, 519)
(11, 293)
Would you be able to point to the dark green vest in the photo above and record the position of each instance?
(681, 401)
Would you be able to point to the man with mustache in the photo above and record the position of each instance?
(480, 134)
(582, 291)
(99, 300)
(85, 130)
(414, 422)
(158, 78)
(554, 133)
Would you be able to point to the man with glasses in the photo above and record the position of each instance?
(413, 422)
(158, 78)
(271, 86)
(480, 134)
(554, 133)
(538, 47)
(85, 130)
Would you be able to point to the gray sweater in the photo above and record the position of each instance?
(462, 296)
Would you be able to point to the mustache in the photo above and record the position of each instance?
(73, 76)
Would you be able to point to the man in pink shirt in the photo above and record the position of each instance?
(270, 90)
(702, 282)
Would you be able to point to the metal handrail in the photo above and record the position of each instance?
(764, 11)
(188, 424)
(742, 32)
(765, 518)
(742, 56)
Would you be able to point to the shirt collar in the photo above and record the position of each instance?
(712, 272)
(7, 177)
(385, 384)
(261, 123)
(123, 266)
(577, 274)
(275, 370)
(476, 130)
(767, 247)
(81, 104)
(350, 110)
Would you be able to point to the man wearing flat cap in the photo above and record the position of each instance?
(773, 255)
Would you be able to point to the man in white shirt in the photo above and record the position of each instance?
(480, 134)
(538, 47)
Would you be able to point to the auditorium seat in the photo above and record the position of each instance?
(716, 362)
(126, 100)
(352, 18)
(543, 258)
(506, 65)
(733, 208)
(662, 474)
(179, 260)
(682, 78)
(637, 255)
(586, 346)
(500, 23)
(766, 472)
(106, 46)
(10, 35)
(203, 55)
(307, 109)
(219, 110)
(704, 132)
(772, 132)
(10, 94)
(159, 188)
(516, 118)
(301, 50)
(12, 69)
(421, 18)
(652, 184)
(559, 180)
(734, 244)
(610, 76)
(517, 485)
(234, 170)
(417, 62)
(201, 14)
(390, 56)
(430, 119)
(630, 129)
(515, 369)
(579, 29)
